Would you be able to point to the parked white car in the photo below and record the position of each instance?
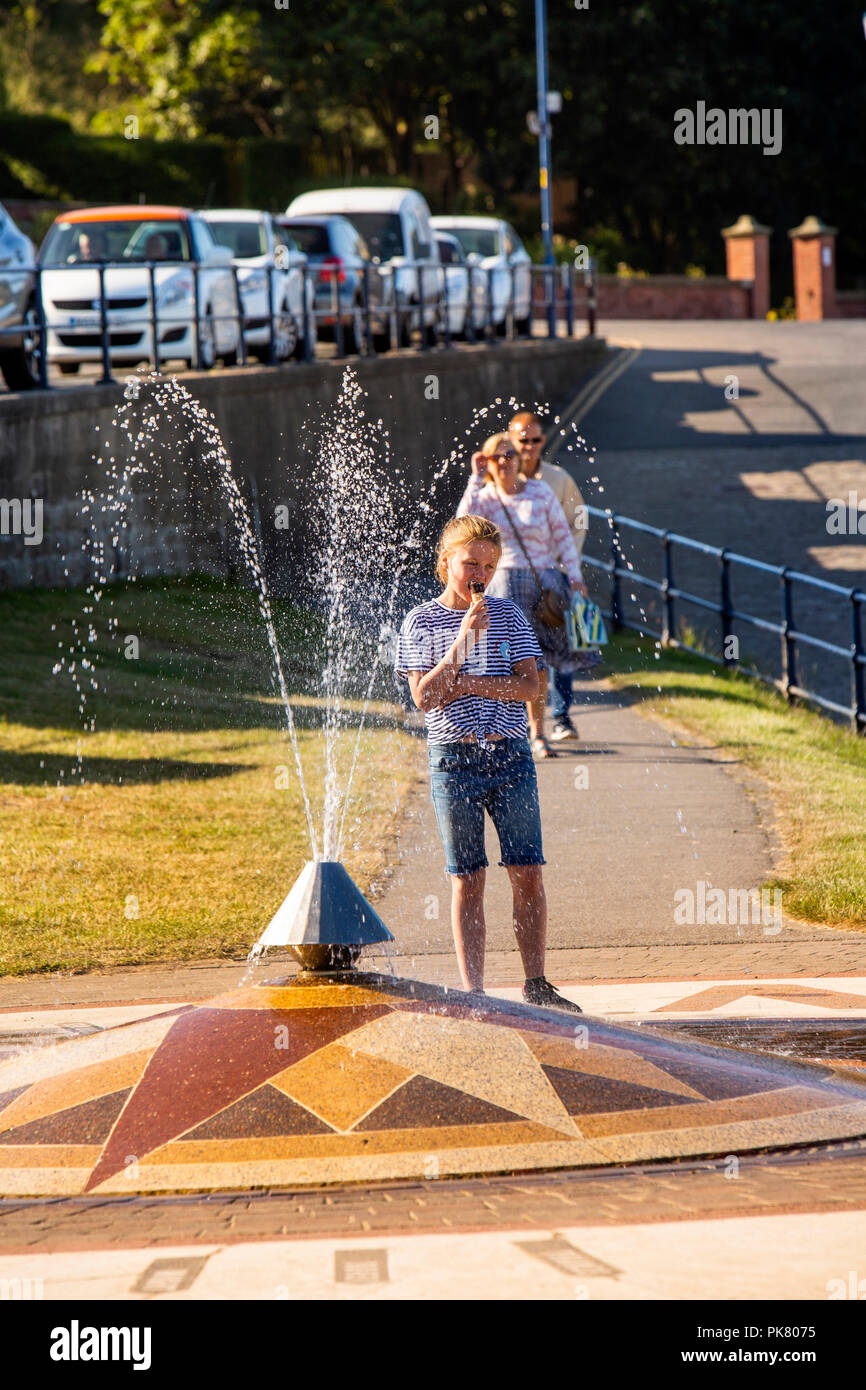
(266, 262)
(139, 246)
(492, 244)
(456, 275)
(395, 225)
(17, 306)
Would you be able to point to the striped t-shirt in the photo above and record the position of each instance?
(428, 632)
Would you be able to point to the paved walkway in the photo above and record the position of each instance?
(699, 1230)
(631, 817)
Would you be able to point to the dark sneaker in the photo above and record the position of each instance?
(563, 729)
(541, 993)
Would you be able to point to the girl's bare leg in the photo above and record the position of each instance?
(467, 924)
(535, 708)
(530, 916)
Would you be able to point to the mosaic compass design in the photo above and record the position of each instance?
(310, 1083)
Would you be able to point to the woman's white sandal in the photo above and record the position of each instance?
(541, 748)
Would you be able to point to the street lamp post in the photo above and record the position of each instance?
(544, 155)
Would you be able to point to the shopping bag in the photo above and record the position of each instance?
(584, 624)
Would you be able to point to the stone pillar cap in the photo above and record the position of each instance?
(746, 226)
(812, 226)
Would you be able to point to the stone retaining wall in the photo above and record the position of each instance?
(50, 441)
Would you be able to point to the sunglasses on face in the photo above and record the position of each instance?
(503, 458)
(530, 438)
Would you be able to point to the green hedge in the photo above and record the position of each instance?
(42, 157)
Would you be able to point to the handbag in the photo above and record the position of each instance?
(551, 607)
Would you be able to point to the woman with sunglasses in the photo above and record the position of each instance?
(527, 436)
(538, 552)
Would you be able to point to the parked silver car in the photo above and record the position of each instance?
(271, 281)
(18, 351)
(493, 245)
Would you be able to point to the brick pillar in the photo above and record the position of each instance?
(747, 250)
(814, 247)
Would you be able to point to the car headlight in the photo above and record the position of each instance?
(175, 288)
(253, 281)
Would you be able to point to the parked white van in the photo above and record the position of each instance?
(395, 224)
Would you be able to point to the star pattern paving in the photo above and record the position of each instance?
(280, 1085)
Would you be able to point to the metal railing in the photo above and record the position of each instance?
(493, 304)
(839, 608)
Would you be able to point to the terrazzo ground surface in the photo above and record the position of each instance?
(329, 1082)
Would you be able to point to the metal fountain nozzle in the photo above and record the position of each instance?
(325, 921)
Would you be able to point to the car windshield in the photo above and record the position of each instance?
(478, 241)
(449, 254)
(311, 238)
(117, 239)
(245, 239)
(382, 231)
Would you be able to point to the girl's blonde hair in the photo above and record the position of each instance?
(460, 530)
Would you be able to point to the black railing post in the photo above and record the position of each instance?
(154, 317)
(512, 300)
(335, 310)
(446, 304)
(309, 351)
(196, 307)
(422, 327)
(533, 281)
(669, 619)
(239, 314)
(726, 608)
(41, 333)
(590, 283)
(393, 314)
(858, 664)
(368, 332)
(550, 299)
(615, 588)
(568, 277)
(489, 327)
(272, 340)
(789, 643)
(470, 326)
(106, 379)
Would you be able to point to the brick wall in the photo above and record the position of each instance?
(850, 304)
(660, 297)
(672, 297)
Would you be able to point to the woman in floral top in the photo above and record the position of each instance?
(526, 507)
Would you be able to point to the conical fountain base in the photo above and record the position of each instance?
(325, 921)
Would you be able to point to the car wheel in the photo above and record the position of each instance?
(430, 333)
(404, 335)
(20, 366)
(207, 341)
(521, 327)
(312, 334)
(354, 340)
(68, 368)
(286, 334)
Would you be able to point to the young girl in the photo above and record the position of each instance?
(472, 663)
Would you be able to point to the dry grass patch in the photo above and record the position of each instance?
(188, 827)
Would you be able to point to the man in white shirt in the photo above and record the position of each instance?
(527, 436)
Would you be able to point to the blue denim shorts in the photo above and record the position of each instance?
(466, 781)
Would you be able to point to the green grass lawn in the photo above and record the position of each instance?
(814, 769)
(183, 827)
